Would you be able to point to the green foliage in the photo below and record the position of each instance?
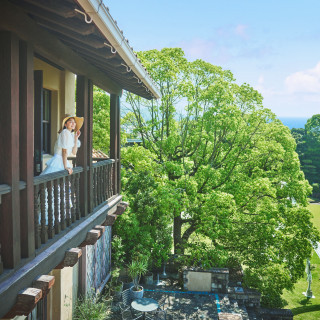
(90, 308)
(302, 307)
(101, 120)
(223, 168)
(118, 252)
(144, 225)
(137, 268)
(308, 148)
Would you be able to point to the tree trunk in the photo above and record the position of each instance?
(177, 223)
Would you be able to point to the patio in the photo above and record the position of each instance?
(193, 305)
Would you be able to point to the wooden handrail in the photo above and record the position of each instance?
(54, 175)
(4, 188)
(103, 163)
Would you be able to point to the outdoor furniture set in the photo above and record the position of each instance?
(138, 309)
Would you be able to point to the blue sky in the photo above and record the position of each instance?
(272, 45)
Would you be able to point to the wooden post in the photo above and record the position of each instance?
(115, 140)
(89, 152)
(38, 116)
(9, 142)
(26, 149)
(82, 154)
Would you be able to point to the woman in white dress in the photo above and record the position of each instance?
(67, 143)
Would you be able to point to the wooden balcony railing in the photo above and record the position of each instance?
(57, 198)
(102, 181)
(4, 189)
(56, 203)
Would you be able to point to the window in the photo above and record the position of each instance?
(46, 127)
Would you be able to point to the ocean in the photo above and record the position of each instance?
(293, 122)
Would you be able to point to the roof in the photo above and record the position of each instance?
(87, 27)
(99, 154)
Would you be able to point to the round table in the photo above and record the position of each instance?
(145, 305)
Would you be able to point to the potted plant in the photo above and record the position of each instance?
(148, 278)
(136, 269)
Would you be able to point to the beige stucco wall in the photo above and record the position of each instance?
(63, 295)
(61, 83)
(199, 281)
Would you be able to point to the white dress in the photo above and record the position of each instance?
(65, 141)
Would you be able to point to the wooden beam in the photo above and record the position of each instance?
(82, 154)
(89, 124)
(92, 41)
(70, 24)
(15, 19)
(38, 125)
(115, 139)
(110, 220)
(26, 301)
(58, 7)
(100, 54)
(44, 283)
(100, 228)
(91, 238)
(9, 141)
(70, 259)
(26, 147)
(122, 206)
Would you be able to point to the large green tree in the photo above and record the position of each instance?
(230, 171)
(308, 148)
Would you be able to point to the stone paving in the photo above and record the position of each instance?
(183, 305)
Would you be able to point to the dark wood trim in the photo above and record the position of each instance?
(9, 141)
(26, 147)
(26, 301)
(70, 259)
(115, 139)
(90, 146)
(44, 283)
(118, 147)
(38, 56)
(92, 237)
(47, 259)
(82, 154)
(82, 290)
(38, 116)
(16, 20)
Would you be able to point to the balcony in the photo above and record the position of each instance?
(58, 205)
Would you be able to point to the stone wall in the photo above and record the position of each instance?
(248, 297)
(275, 314)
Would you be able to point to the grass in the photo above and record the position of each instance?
(315, 209)
(303, 308)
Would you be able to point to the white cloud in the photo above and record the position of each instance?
(307, 81)
(240, 30)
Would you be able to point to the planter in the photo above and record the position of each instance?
(148, 278)
(136, 294)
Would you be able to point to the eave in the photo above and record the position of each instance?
(91, 42)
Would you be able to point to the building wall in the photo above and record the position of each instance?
(63, 295)
(62, 85)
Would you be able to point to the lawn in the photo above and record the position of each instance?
(303, 308)
(315, 209)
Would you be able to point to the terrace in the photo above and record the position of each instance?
(186, 305)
